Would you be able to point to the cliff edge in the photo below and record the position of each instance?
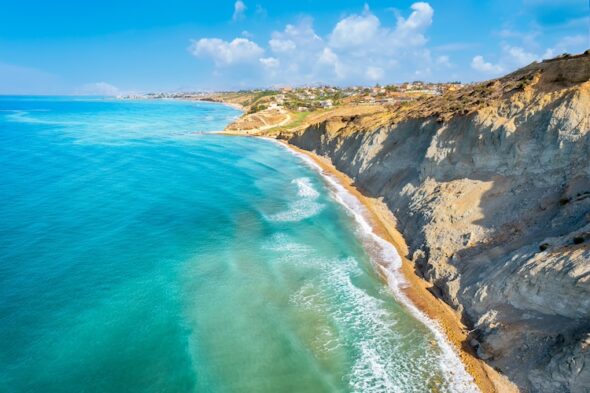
(490, 185)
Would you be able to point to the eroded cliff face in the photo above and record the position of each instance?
(493, 199)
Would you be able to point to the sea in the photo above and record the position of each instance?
(142, 252)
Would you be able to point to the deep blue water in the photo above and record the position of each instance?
(140, 254)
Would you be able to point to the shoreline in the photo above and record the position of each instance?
(230, 104)
(441, 315)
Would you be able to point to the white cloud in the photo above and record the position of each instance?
(270, 62)
(224, 53)
(300, 35)
(365, 32)
(410, 31)
(479, 64)
(331, 59)
(298, 48)
(355, 30)
(328, 57)
(278, 45)
(456, 46)
(100, 89)
(359, 48)
(519, 56)
(528, 39)
(549, 53)
(568, 44)
(575, 41)
(239, 10)
(374, 73)
(444, 61)
(367, 49)
(515, 56)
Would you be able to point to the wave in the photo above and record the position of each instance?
(365, 324)
(305, 188)
(306, 206)
(371, 337)
(280, 242)
(386, 258)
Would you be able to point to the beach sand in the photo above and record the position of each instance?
(384, 225)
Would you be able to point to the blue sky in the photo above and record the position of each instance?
(112, 47)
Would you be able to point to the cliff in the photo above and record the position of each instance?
(490, 186)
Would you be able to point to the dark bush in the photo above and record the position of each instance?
(578, 240)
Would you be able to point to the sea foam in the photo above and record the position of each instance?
(304, 207)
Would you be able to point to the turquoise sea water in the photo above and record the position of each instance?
(140, 254)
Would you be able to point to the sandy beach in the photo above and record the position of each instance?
(416, 290)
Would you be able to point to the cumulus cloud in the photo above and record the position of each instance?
(298, 48)
(365, 31)
(239, 10)
(514, 56)
(300, 35)
(359, 48)
(520, 48)
(567, 44)
(331, 60)
(411, 30)
(225, 53)
(479, 64)
(368, 50)
(519, 56)
(270, 62)
(282, 46)
(355, 30)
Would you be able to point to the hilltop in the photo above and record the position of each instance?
(307, 106)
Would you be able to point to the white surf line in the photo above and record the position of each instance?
(449, 362)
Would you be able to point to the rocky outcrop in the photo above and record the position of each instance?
(491, 189)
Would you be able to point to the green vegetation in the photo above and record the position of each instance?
(257, 108)
(252, 102)
(299, 118)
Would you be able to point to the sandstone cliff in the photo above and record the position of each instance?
(491, 188)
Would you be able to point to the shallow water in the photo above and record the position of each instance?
(140, 254)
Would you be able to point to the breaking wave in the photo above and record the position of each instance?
(304, 207)
(386, 258)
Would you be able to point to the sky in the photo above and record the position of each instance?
(113, 47)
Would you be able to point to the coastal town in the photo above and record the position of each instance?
(310, 98)
(289, 107)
